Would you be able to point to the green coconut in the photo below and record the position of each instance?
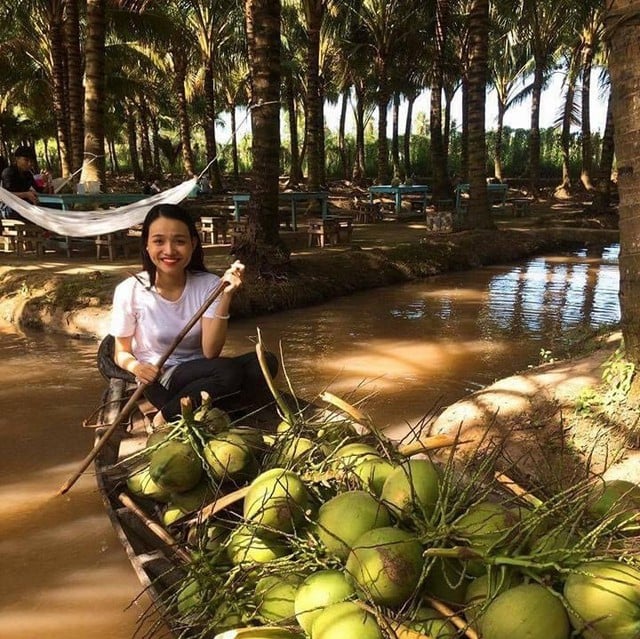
(484, 589)
(373, 472)
(244, 547)
(158, 437)
(386, 564)
(209, 537)
(412, 488)
(345, 620)
(275, 595)
(252, 436)
(618, 500)
(175, 466)
(190, 597)
(483, 526)
(214, 418)
(182, 504)
(141, 484)
(293, 450)
(430, 622)
(446, 581)
(350, 455)
(317, 591)
(228, 455)
(276, 501)
(555, 545)
(529, 611)
(604, 600)
(345, 517)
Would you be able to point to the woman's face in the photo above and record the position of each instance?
(169, 245)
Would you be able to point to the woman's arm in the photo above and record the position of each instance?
(214, 329)
(124, 358)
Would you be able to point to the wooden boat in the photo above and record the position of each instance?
(152, 557)
(159, 561)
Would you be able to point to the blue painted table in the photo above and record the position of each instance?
(293, 197)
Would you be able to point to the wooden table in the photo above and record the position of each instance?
(400, 191)
(292, 197)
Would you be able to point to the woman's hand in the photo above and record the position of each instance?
(144, 372)
(233, 275)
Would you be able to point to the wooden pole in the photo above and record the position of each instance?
(124, 412)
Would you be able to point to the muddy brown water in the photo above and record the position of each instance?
(406, 351)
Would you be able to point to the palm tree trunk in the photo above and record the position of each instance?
(408, 171)
(145, 145)
(360, 159)
(479, 215)
(602, 198)
(235, 161)
(60, 105)
(497, 160)
(94, 93)
(564, 189)
(441, 187)
(132, 140)
(395, 142)
(587, 150)
(314, 100)
(210, 128)
(534, 129)
(74, 80)
(624, 67)
(383, 143)
(184, 124)
(295, 171)
(262, 248)
(342, 145)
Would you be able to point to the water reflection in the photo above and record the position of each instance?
(413, 348)
(419, 346)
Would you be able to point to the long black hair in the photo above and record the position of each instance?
(172, 212)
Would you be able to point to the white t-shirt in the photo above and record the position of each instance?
(154, 322)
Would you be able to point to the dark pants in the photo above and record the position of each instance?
(230, 381)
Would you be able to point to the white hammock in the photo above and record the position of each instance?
(95, 222)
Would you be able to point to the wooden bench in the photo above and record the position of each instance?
(119, 241)
(366, 212)
(322, 232)
(212, 228)
(521, 206)
(20, 237)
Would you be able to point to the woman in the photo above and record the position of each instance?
(151, 308)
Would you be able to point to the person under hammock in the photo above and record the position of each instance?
(19, 178)
(152, 307)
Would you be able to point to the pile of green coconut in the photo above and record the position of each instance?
(318, 530)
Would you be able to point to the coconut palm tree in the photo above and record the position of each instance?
(508, 60)
(74, 73)
(262, 249)
(623, 30)
(94, 93)
(478, 213)
(545, 23)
